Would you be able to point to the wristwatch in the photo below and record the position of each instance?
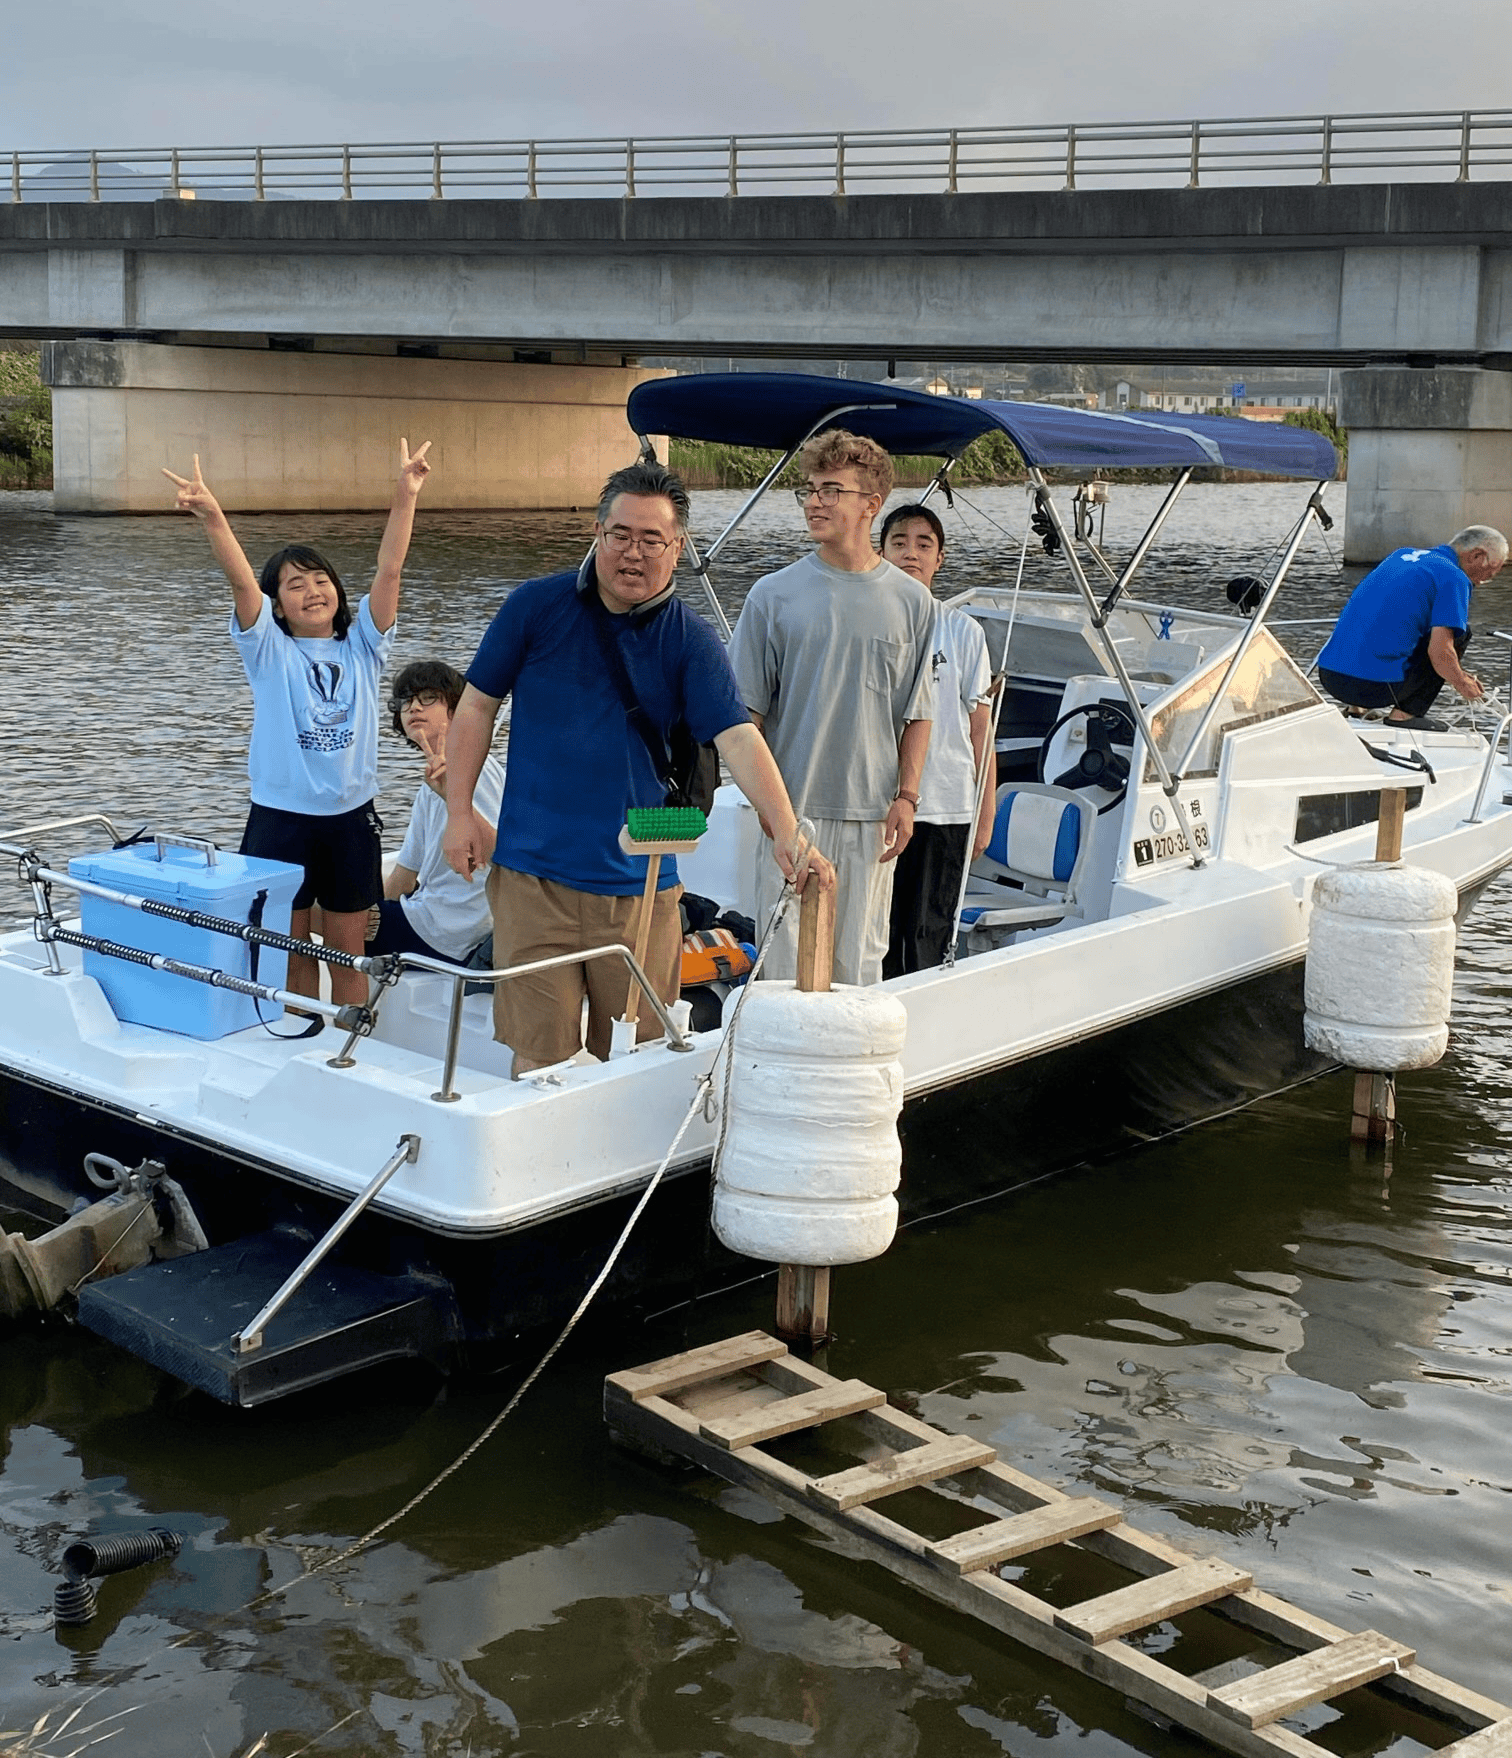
(904, 794)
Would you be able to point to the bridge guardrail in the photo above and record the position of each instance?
(1418, 145)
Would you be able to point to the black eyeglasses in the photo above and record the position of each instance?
(420, 699)
(650, 547)
(826, 495)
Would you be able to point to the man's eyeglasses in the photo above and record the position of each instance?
(617, 537)
(827, 494)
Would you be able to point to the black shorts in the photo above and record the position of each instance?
(397, 934)
(342, 855)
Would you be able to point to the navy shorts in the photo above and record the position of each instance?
(342, 855)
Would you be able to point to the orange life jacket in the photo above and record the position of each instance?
(713, 955)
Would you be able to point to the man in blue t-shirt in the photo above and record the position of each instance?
(560, 882)
(1399, 639)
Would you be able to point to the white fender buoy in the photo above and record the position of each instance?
(811, 1153)
(1380, 966)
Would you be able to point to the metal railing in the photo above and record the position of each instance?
(358, 1021)
(1416, 145)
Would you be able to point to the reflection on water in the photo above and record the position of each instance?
(1263, 1345)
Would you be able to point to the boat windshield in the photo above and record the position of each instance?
(1266, 684)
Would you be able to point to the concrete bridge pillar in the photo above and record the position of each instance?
(1430, 451)
(305, 432)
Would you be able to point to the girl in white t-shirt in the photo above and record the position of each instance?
(313, 760)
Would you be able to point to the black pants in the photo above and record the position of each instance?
(926, 889)
(1414, 694)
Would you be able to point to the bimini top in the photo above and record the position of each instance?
(780, 409)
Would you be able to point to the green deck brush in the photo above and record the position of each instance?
(662, 830)
(654, 831)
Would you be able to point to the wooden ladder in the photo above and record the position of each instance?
(719, 1404)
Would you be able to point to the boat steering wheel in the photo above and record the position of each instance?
(1099, 764)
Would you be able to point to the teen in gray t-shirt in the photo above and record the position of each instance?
(836, 663)
(832, 656)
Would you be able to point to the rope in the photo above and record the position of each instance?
(705, 1086)
(146, 1209)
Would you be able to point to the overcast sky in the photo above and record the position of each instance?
(77, 73)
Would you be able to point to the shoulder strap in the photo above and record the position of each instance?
(614, 662)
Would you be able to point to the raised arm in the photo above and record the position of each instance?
(194, 497)
(383, 599)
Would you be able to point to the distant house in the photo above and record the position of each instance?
(1173, 396)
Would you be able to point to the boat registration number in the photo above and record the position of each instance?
(1148, 849)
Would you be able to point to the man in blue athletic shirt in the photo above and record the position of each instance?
(559, 881)
(1399, 639)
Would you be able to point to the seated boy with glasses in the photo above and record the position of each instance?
(428, 907)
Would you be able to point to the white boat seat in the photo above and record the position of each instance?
(1027, 875)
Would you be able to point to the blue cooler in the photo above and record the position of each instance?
(183, 873)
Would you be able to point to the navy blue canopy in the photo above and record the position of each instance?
(779, 409)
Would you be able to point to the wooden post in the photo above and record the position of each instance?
(1374, 1112)
(816, 940)
(803, 1299)
(1374, 1118)
(803, 1290)
(1389, 824)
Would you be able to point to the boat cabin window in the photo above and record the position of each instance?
(1328, 814)
(1266, 684)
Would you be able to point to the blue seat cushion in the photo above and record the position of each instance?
(1036, 835)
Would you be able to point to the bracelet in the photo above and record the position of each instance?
(904, 794)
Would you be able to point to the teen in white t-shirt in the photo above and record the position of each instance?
(927, 887)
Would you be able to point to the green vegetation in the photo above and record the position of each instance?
(25, 421)
(1320, 421)
(708, 464)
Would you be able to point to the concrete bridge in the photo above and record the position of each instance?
(196, 325)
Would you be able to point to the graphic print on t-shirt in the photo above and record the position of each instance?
(329, 715)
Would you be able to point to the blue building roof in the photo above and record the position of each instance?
(779, 409)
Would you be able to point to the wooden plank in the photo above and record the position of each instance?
(1147, 1602)
(906, 1470)
(788, 1415)
(998, 1604)
(1491, 1742)
(1310, 1678)
(674, 1429)
(1040, 1528)
(674, 1374)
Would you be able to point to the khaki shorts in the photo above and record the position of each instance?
(540, 1017)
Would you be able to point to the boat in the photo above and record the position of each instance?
(385, 1191)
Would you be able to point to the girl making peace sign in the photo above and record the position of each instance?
(313, 667)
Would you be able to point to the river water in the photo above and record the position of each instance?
(1268, 1347)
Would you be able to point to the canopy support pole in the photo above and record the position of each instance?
(1136, 561)
(1312, 510)
(1169, 783)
